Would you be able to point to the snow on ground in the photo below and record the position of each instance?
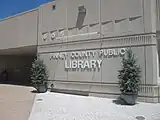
(55, 106)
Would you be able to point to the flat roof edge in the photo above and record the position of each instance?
(53, 1)
(19, 14)
(25, 12)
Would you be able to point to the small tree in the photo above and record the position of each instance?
(39, 73)
(129, 75)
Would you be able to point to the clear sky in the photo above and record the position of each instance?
(12, 7)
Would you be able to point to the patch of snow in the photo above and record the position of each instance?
(56, 106)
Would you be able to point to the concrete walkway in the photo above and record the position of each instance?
(55, 106)
(15, 102)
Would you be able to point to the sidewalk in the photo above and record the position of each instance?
(15, 102)
(55, 106)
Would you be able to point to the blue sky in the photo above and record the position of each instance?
(12, 7)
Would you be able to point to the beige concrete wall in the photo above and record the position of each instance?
(19, 30)
(146, 56)
(158, 14)
(108, 20)
(104, 16)
(116, 17)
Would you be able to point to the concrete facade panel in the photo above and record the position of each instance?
(92, 12)
(124, 17)
(149, 7)
(107, 73)
(19, 31)
(151, 69)
(97, 19)
(117, 10)
(111, 66)
(53, 18)
(55, 68)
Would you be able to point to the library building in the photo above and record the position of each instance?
(82, 43)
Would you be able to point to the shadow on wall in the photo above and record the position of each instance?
(16, 70)
(14, 77)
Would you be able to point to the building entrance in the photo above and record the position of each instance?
(15, 65)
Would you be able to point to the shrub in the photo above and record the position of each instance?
(129, 75)
(39, 73)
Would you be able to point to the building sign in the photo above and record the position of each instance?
(59, 35)
(52, 35)
(87, 59)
